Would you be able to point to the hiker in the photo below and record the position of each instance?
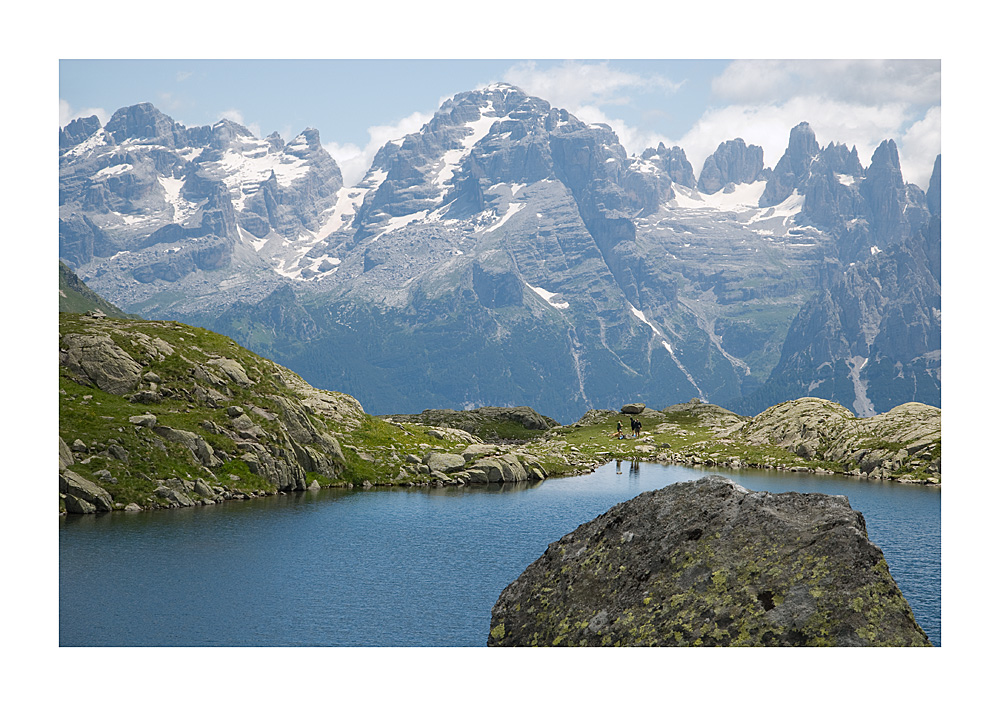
(633, 423)
(620, 435)
(638, 428)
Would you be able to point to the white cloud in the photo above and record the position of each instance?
(354, 161)
(574, 85)
(865, 82)
(67, 114)
(919, 147)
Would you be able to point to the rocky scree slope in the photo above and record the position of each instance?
(160, 414)
(505, 253)
(710, 563)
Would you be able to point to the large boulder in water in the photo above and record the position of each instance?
(708, 562)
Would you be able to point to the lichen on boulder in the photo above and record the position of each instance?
(708, 562)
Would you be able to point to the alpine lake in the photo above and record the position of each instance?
(413, 567)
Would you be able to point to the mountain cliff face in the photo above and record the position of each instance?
(732, 163)
(872, 337)
(506, 253)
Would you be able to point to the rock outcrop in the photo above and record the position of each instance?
(485, 422)
(733, 162)
(905, 438)
(153, 413)
(708, 562)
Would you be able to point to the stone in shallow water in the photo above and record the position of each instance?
(710, 563)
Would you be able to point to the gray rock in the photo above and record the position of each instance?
(473, 450)
(143, 420)
(118, 452)
(132, 507)
(633, 408)
(198, 447)
(101, 361)
(477, 475)
(79, 506)
(232, 370)
(501, 469)
(75, 485)
(709, 563)
(490, 468)
(145, 397)
(174, 496)
(444, 462)
(203, 489)
(65, 455)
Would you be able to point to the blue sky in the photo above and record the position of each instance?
(359, 104)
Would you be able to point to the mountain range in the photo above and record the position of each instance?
(508, 253)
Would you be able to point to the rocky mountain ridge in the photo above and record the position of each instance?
(506, 253)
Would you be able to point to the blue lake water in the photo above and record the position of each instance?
(394, 567)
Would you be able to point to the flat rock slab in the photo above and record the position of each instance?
(708, 562)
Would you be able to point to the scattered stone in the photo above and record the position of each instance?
(444, 462)
(203, 489)
(145, 397)
(201, 450)
(65, 455)
(101, 361)
(174, 496)
(79, 506)
(75, 485)
(474, 450)
(233, 370)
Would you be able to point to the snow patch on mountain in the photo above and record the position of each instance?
(252, 162)
(785, 210)
(98, 139)
(452, 158)
(398, 222)
(549, 297)
(642, 317)
(172, 187)
(113, 170)
(512, 208)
